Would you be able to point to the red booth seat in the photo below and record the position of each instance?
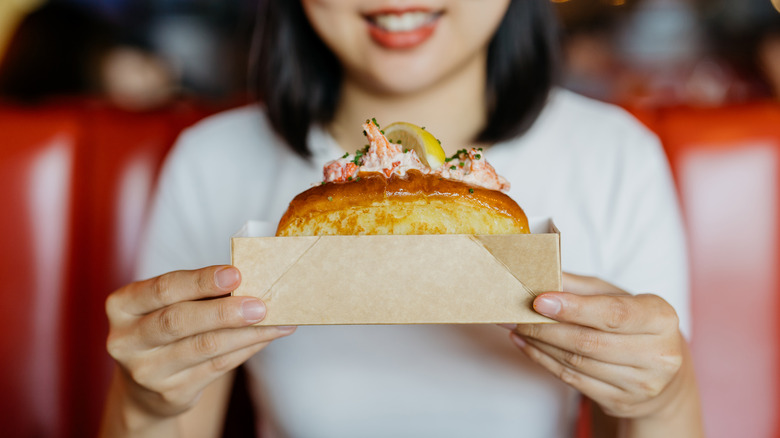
(727, 165)
(37, 195)
(75, 182)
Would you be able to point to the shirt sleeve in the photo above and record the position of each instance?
(177, 234)
(645, 248)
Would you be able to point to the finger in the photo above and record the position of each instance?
(195, 350)
(620, 376)
(629, 314)
(593, 388)
(584, 285)
(149, 295)
(184, 387)
(591, 343)
(195, 379)
(189, 318)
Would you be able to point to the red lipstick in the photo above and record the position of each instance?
(401, 39)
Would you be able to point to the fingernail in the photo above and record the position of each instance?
(226, 278)
(546, 305)
(518, 340)
(253, 310)
(509, 327)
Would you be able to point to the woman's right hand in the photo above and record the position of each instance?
(173, 335)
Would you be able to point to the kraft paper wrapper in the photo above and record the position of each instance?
(420, 279)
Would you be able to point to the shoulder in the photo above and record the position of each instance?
(573, 115)
(233, 129)
(587, 131)
(586, 109)
(230, 139)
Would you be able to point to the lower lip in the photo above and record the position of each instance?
(402, 40)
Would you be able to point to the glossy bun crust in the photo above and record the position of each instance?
(413, 204)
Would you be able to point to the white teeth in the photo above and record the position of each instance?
(403, 22)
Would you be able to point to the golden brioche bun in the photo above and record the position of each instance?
(413, 204)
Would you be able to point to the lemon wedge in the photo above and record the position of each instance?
(414, 138)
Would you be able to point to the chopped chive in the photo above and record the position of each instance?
(345, 155)
(399, 142)
(373, 119)
(461, 164)
(423, 128)
(471, 190)
(383, 132)
(406, 150)
(330, 198)
(365, 133)
(447, 160)
(479, 149)
(349, 179)
(357, 179)
(478, 156)
(453, 167)
(438, 140)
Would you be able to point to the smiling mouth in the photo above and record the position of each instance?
(403, 21)
(402, 29)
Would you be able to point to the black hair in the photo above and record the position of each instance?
(298, 78)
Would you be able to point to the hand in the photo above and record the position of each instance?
(621, 351)
(171, 340)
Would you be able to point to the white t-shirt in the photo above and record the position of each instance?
(600, 175)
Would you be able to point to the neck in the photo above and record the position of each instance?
(453, 109)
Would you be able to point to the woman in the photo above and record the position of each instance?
(472, 72)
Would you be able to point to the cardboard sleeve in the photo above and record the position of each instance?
(419, 279)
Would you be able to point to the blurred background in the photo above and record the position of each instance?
(139, 54)
(93, 93)
(142, 53)
(672, 52)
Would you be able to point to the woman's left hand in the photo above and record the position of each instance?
(622, 351)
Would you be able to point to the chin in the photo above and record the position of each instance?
(395, 74)
(403, 85)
